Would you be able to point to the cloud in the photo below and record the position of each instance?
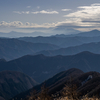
(22, 12)
(85, 17)
(28, 7)
(90, 12)
(36, 12)
(27, 23)
(19, 24)
(11, 24)
(65, 9)
(49, 12)
(18, 12)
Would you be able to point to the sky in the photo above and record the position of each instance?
(49, 16)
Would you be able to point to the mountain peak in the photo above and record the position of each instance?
(95, 30)
(85, 53)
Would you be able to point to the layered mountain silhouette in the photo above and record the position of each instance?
(92, 33)
(13, 48)
(66, 40)
(42, 67)
(89, 34)
(13, 83)
(59, 41)
(91, 47)
(57, 60)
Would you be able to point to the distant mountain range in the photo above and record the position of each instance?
(13, 48)
(13, 83)
(91, 47)
(42, 67)
(66, 40)
(14, 34)
(92, 33)
(70, 33)
(87, 83)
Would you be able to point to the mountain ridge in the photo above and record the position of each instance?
(42, 67)
(13, 83)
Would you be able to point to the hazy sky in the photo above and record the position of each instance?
(49, 15)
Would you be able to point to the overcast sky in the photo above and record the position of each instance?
(49, 15)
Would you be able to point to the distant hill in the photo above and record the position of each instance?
(13, 48)
(59, 41)
(92, 33)
(13, 83)
(42, 67)
(91, 47)
(14, 34)
(70, 33)
(66, 41)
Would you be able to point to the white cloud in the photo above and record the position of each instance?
(22, 12)
(95, 4)
(49, 12)
(36, 12)
(18, 12)
(27, 23)
(28, 7)
(84, 17)
(19, 24)
(65, 9)
(90, 12)
(11, 24)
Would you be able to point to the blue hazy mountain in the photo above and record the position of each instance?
(70, 33)
(42, 67)
(66, 40)
(92, 33)
(13, 83)
(13, 48)
(91, 47)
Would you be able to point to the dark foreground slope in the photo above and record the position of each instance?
(53, 83)
(41, 67)
(87, 83)
(13, 83)
(13, 48)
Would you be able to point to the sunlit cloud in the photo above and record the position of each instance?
(65, 9)
(84, 17)
(49, 12)
(11, 24)
(28, 7)
(19, 24)
(22, 12)
(86, 12)
(36, 12)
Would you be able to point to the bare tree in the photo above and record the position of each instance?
(43, 95)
